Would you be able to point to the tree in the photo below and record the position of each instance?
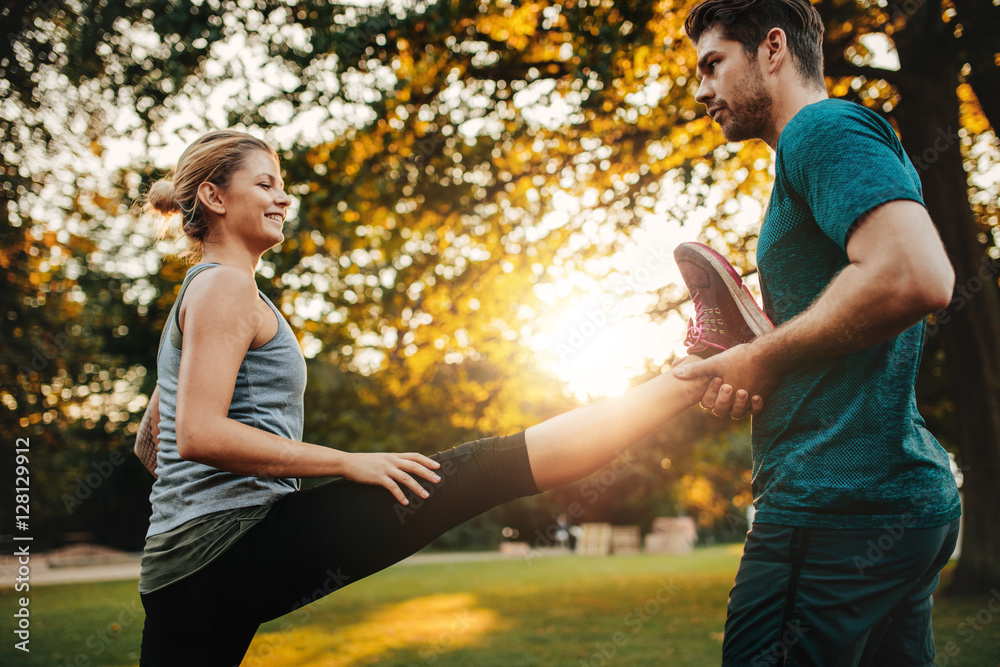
(415, 219)
(433, 149)
(78, 330)
(622, 149)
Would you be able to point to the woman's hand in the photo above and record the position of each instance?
(391, 470)
(147, 438)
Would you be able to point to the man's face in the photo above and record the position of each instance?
(732, 88)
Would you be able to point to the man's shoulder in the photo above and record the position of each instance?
(833, 109)
(834, 134)
(831, 121)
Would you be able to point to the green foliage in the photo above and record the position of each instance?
(428, 145)
(479, 534)
(715, 488)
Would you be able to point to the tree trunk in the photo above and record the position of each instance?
(979, 20)
(928, 118)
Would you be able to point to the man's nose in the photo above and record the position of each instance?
(705, 93)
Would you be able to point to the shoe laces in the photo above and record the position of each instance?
(705, 319)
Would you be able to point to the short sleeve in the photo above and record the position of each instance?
(842, 161)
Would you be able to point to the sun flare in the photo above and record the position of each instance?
(594, 333)
(598, 342)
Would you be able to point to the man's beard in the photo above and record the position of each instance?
(750, 113)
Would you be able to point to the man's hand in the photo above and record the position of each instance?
(737, 375)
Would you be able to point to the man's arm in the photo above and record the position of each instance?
(147, 439)
(898, 274)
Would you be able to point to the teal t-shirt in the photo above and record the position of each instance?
(840, 443)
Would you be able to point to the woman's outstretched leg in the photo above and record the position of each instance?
(315, 541)
(575, 444)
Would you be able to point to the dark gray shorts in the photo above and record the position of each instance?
(806, 596)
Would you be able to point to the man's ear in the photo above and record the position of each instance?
(773, 50)
(210, 196)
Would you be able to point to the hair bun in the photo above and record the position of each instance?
(172, 203)
(162, 198)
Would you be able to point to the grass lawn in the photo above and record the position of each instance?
(643, 610)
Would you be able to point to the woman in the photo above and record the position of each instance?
(232, 541)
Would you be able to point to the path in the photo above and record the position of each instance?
(47, 570)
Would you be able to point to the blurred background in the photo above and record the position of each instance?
(486, 200)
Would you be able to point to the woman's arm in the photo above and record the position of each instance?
(220, 318)
(147, 439)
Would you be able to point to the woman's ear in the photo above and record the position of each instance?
(210, 196)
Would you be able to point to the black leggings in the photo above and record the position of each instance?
(316, 541)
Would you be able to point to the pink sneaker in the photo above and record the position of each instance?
(726, 314)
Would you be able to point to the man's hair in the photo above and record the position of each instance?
(749, 21)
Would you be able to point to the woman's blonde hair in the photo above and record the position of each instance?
(213, 158)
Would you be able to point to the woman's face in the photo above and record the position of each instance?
(256, 203)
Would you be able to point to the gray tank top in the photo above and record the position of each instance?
(268, 395)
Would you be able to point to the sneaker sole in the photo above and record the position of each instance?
(704, 256)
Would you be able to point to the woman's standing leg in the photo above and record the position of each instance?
(194, 622)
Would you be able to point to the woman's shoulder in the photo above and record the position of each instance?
(225, 280)
(223, 290)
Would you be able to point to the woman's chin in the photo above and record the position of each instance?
(275, 240)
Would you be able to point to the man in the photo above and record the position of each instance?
(857, 509)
